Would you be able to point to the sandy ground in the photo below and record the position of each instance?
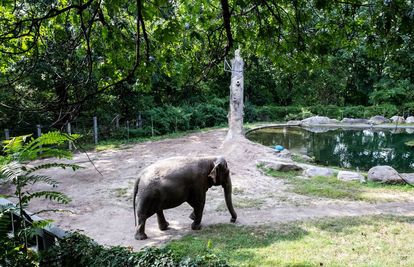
(102, 204)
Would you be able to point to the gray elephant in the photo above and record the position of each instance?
(169, 183)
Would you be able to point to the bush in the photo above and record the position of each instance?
(385, 110)
(78, 250)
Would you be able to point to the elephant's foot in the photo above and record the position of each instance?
(195, 226)
(163, 226)
(139, 236)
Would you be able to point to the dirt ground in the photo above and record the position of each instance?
(102, 204)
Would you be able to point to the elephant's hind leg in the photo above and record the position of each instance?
(192, 216)
(140, 232)
(162, 223)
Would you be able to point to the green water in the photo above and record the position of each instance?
(356, 149)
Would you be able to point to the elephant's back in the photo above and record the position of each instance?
(172, 168)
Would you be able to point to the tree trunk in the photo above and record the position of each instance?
(236, 113)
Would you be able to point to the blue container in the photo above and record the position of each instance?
(278, 147)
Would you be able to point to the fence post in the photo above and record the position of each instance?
(6, 133)
(152, 127)
(139, 120)
(95, 129)
(117, 123)
(128, 130)
(69, 133)
(39, 134)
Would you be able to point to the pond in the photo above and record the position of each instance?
(358, 149)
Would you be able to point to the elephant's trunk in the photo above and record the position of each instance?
(229, 203)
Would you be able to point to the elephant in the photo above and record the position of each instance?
(170, 182)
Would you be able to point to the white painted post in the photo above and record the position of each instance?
(6, 133)
(69, 133)
(39, 134)
(95, 129)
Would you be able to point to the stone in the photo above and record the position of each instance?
(318, 171)
(316, 120)
(294, 123)
(385, 175)
(284, 154)
(348, 176)
(307, 158)
(353, 121)
(334, 121)
(379, 119)
(283, 167)
(397, 119)
(409, 120)
(408, 177)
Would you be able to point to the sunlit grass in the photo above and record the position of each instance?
(382, 240)
(331, 187)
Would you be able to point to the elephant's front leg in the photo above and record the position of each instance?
(162, 223)
(197, 214)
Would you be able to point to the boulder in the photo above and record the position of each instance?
(379, 119)
(286, 154)
(385, 175)
(318, 171)
(316, 120)
(283, 167)
(347, 176)
(353, 121)
(397, 119)
(409, 119)
(408, 177)
(307, 158)
(294, 123)
(334, 121)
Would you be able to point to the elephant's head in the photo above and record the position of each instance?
(220, 175)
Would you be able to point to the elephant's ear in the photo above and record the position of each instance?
(213, 174)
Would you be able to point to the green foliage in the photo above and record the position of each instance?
(93, 58)
(16, 171)
(79, 250)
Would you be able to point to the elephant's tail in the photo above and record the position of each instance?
(135, 195)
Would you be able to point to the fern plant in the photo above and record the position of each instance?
(15, 171)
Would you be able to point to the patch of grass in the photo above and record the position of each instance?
(243, 203)
(104, 146)
(124, 148)
(237, 191)
(381, 240)
(331, 187)
(120, 192)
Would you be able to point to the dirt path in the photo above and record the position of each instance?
(102, 205)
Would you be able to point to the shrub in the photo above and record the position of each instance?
(78, 250)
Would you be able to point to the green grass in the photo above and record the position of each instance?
(120, 192)
(331, 187)
(381, 240)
